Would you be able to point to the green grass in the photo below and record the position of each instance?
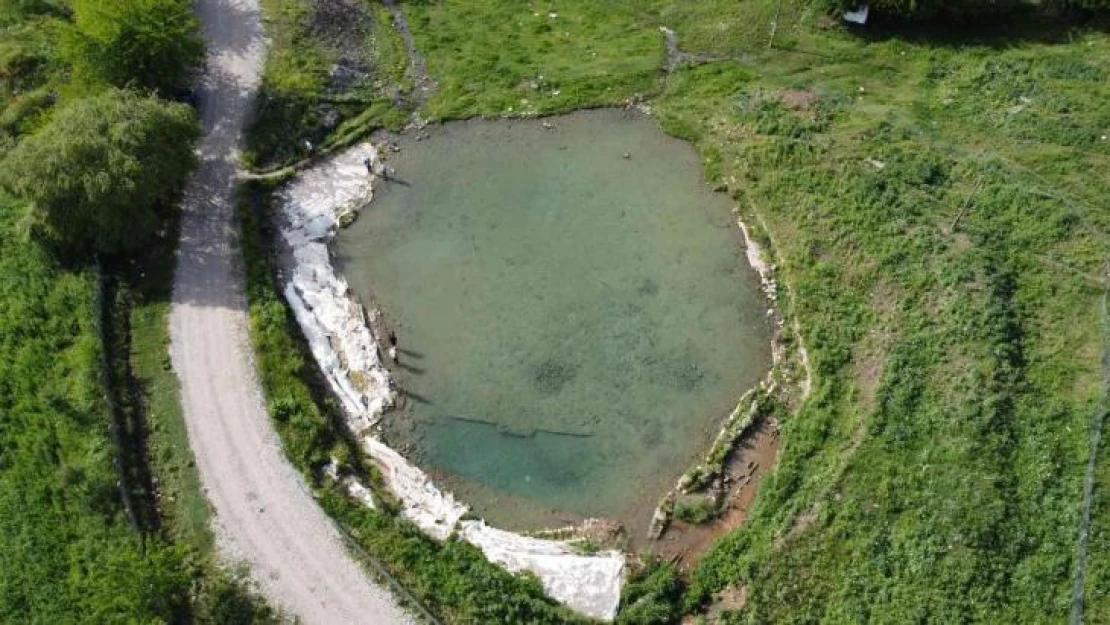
(62, 524)
(70, 552)
(183, 507)
(955, 372)
(26, 72)
(505, 57)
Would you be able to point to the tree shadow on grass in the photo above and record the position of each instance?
(1026, 25)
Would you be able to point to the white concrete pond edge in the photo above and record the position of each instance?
(338, 332)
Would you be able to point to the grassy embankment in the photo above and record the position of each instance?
(63, 526)
(104, 519)
(957, 359)
(934, 205)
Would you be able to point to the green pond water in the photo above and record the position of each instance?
(574, 324)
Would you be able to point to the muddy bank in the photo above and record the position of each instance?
(731, 471)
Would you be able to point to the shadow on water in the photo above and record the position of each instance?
(416, 397)
(392, 179)
(519, 462)
(408, 367)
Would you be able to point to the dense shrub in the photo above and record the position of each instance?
(12, 11)
(68, 553)
(96, 174)
(149, 44)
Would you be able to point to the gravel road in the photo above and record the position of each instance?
(264, 514)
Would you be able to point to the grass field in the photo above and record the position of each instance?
(934, 202)
(940, 458)
(181, 503)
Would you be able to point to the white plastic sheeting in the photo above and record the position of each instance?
(858, 16)
(590, 584)
(333, 322)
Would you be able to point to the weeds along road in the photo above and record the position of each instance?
(264, 514)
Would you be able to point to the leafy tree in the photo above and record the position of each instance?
(151, 44)
(97, 172)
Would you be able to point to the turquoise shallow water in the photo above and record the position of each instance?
(574, 324)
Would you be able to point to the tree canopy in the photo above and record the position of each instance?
(97, 172)
(151, 44)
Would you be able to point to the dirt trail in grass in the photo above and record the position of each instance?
(676, 58)
(1092, 464)
(264, 514)
(423, 84)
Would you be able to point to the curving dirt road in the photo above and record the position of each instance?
(264, 514)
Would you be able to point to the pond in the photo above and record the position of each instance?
(574, 310)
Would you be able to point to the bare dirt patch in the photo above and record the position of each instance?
(798, 99)
(869, 356)
(753, 456)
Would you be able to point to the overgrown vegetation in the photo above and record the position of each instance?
(452, 579)
(142, 44)
(651, 596)
(696, 508)
(335, 70)
(69, 551)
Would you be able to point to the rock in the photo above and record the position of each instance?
(659, 522)
(626, 155)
